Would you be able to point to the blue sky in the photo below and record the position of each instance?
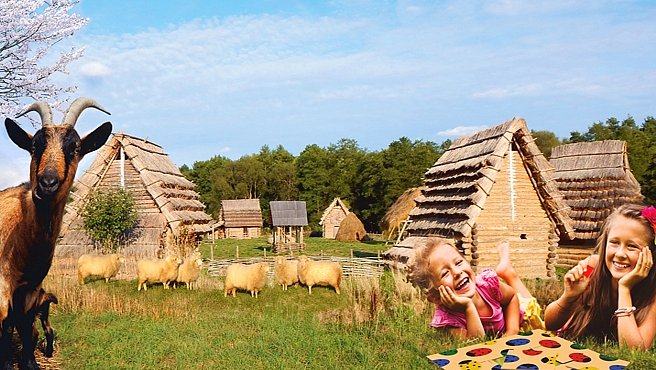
(206, 78)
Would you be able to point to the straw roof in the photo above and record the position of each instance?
(287, 213)
(351, 228)
(594, 178)
(241, 213)
(163, 196)
(399, 210)
(458, 184)
(337, 202)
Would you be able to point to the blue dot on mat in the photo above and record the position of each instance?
(517, 342)
(510, 358)
(441, 362)
(528, 367)
(616, 367)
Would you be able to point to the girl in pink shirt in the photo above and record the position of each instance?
(468, 304)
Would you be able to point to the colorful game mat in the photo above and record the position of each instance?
(537, 349)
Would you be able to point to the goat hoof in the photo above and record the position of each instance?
(29, 364)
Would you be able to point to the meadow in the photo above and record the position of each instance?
(376, 323)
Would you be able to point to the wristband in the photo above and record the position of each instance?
(624, 311)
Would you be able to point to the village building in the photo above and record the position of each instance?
(332, 217)
(240, 219)
(287, 219)
(167, 205)
(594, 178)
(492, 186)
(397, 217)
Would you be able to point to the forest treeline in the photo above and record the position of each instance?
(370, 181)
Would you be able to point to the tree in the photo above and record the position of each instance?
(546, 141)
(29, 29)
(107, 216)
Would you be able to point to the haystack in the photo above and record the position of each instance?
(594, 178)
(399, 212)
(351, 228)
(494, 185)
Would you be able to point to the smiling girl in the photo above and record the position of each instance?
(469, 304)
(617, 301)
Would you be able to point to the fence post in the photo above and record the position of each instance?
(237, 252)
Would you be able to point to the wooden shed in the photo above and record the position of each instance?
(167, 204)
(594, 178)
(287, 219)
(494, 185)
(332, 217)
(240, 218)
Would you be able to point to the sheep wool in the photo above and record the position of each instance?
(245, 277)
(286, 271)
(157, 271)
(325, 273)
(103, 266)
(189, 271)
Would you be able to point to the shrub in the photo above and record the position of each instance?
(108, 216)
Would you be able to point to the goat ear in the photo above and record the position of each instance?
(96, 138)
(18, 135)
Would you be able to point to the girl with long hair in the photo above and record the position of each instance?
(617, 300)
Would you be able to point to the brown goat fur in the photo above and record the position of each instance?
(31, 216)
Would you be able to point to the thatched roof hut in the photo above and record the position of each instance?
(240, 218)
(332, 217)
(165, 200)
(399, 211)
(594, 178)
(351, 228)
(494, 185)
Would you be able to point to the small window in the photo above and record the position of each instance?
(523, 236)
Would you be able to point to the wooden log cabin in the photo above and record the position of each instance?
(166, 202)
(494, 185)
(240, 219)
(594, 178)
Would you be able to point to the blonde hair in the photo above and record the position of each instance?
(419, 272)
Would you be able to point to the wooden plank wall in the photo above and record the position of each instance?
(530, 233)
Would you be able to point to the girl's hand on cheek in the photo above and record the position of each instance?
(452, 301)
(640, 271)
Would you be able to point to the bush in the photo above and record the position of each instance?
(107, 216)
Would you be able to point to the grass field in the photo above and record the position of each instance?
(373, 324)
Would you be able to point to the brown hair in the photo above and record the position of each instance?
(597, 304)
(419, 272)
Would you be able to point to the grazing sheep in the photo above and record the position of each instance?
(190, 270)
(247, 277)
(31, 217)
(157, 271)
(286, 272)
(103, 266)
(313, 273)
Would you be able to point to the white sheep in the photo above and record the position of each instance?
(325, 273)
(157, 271)
(247, 277)
(189, 271)
(286, 271)
(103, 266)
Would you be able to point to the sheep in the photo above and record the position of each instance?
(104, 266)
(190, 270)
(313, 273)
(31, 216)
(286, 271)
(248, 277)
(43, 312)
(157, 271)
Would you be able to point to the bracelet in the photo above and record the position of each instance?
(624, 311)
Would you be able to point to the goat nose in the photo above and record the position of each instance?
(49, 183)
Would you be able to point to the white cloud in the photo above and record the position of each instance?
(461, 131)
(94, 70)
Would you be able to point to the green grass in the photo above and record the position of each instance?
(373, 324)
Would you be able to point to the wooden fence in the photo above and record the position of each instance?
(351, 266)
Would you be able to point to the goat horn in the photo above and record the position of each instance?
(42, 108)
(73, 112)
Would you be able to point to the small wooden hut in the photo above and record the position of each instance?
(351, 228)
(332, 217)
(287, 219)
(398, 213)
(167, 205)
(494, 185)
(240, 219)
(594, 178)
